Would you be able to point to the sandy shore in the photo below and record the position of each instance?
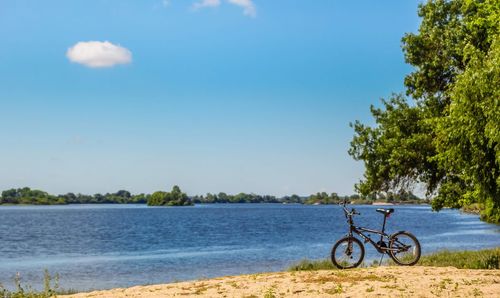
(368, 282)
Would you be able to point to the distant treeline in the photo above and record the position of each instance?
(238, 198)
(176, 197)
(38, 197)
(321, 198)
(406, 197)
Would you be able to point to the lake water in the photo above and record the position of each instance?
(106, 246)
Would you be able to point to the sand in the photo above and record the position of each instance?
(367, 282)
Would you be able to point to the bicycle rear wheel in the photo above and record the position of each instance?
(404, 248)
(348, 253)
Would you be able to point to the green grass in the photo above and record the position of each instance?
(482, 259)
(50, 288)
(270, 294)
(312, 265)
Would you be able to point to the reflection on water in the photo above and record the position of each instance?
(104, 246)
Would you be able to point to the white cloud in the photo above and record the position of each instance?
(247, 5)
(206, 3)
(98, 54)
(165, 3)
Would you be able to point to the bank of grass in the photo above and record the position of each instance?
(487, 212)
(312, 265)
(50, 289)
(475, 208)
(481, 259)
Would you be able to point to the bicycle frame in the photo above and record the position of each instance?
(359, 231)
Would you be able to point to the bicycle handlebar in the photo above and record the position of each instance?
(347, 213)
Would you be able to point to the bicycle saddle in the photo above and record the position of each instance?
(385, 211)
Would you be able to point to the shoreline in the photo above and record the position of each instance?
(388, 281)
(262, 203)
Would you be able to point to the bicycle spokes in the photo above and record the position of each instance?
(404, 248)
(401, 247)
(348, 253)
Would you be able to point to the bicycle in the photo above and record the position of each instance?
(348, 252)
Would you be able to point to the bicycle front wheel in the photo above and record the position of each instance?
(404, 248)
(348, 253)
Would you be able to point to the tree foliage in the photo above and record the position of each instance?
(468, 139)
(173, 198)
(26, 195)
(29, 196)
(238, 198)
(448, 138)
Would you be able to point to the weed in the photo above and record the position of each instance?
(270, 293)
(476, 292)
(335, 290)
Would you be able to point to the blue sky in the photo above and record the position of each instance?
(234, 96)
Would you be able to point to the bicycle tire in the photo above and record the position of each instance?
(404, 259)
(354, 241)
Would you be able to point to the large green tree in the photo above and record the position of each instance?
(447, 139)
(468, 138)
